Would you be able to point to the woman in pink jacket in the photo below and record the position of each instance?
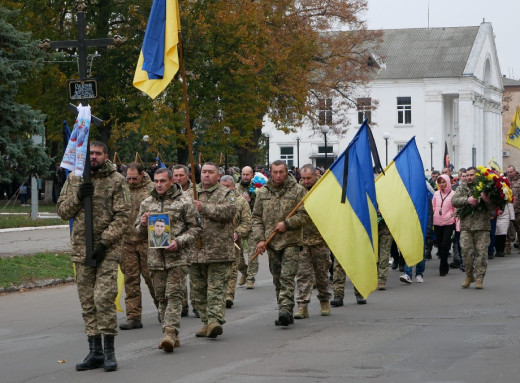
(443, 220)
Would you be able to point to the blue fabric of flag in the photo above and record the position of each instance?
(153, 43)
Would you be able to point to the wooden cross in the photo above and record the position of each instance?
(81, 44)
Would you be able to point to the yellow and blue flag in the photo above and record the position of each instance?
(350, 226)
(159, 57)
(495, 165)
(402, 197)
(513, 136)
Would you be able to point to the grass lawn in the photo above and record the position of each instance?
(22, 269)
(9, 221)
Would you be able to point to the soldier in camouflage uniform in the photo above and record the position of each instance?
(279, 196)
(514, 179)
(249, 269)
(169, 266)
(212, 262)
(181, 176)
(314, 260)
(474, 231)
(338, 287)
(97, 285)
(242, 224)
(384, 247)
(135, 251)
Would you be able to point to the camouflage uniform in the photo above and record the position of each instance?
(242, 223)
(211, 264)
(250, 269)
(169, 268)
(474, 235)
(135, 254)
(515, 188)
(385, 244)
(97, 285)
(338, 282)
(185, 307)
(273, 204)
(313, 265)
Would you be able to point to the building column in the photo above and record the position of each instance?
(468, 129)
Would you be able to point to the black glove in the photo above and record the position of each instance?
(99, 252)
(85, 189)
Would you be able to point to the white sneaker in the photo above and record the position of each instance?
(419, 279)
(405, 278)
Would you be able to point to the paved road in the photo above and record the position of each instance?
(47, 239)
(434, 332)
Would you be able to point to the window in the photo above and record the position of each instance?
(400, 147)
(364, 108)
(325, 111)
(321, 149)
(287, 155)
(404, 110)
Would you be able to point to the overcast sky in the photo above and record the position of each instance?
(504, 16)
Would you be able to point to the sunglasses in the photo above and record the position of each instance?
(132, 178)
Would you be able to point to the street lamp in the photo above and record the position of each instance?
(227, 132)
(298, 151)
(267, 135)
(325, 130)
(431, 140)
(146, 138)
(386, 136)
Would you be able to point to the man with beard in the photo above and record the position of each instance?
(97, 285)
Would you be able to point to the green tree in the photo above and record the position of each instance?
(19, 123)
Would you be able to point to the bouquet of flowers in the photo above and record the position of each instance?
(494, 185)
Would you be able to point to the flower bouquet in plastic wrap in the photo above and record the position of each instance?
(494, 185)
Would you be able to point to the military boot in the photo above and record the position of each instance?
(95, 357)
(468, 281)
(337, 302)
(202, 332)
(325, 308)
(214, 329)
(130, 324)
(302, 312)
(479, 285)
(168, 342)
(110, 356)
(242, 281)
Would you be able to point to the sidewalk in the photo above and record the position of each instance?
(31, 240)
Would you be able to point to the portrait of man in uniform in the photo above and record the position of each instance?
(159, 230)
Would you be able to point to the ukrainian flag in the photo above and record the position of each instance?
(349, 228)
(513, 136)
(159, 58)
(402, 197)
(495, 165)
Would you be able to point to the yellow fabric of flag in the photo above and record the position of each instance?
(513, 136)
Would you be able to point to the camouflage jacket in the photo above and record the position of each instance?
(110, 208)
(217, 216)
(242, 220)
(138, 192)
(479, 220)
(184, 226)
(311, 234)
(272, 205)
(515, 187)
(241, 189)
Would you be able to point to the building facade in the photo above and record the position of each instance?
(441, 85)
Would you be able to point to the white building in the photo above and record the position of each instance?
(441, 85)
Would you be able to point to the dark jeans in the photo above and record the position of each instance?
(443, 238)
(500, 243)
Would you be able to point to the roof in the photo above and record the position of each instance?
(426, 52)
(510, 82)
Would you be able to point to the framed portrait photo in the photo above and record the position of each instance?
(159, 235)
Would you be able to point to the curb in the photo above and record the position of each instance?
(36, 284)
(13, 229)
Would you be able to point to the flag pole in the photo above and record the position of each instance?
(273, 234)
(188, 128)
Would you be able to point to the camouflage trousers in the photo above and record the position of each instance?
(338, 282)
(313, 265)
(283, 265)
(133, 265)
(232, 282)
(169, 287)
(251, 268)
(385, 244)
(208, 284)
(97, 290)
(474, 246)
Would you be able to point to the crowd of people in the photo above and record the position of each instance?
(248, 218)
